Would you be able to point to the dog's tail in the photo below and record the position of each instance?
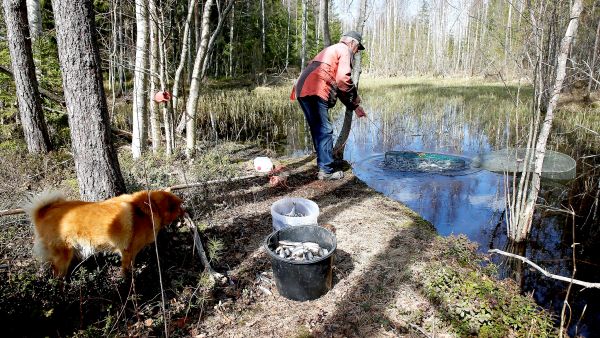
(32, 208)
(44, 199)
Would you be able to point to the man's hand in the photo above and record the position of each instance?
(360, 112)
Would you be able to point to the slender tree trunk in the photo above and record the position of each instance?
(112, 67)
(508, 36)
(232, 25)
(96, 162)
(304, 33)
(183, 54)
(263, 34)
(340, 143)
(154, 76)
(324, 20)
(215, 34)
(167, 109)
(140, 98)
(28, 96)
(207, 52)
(192, 103)
(121, 53)
(287, 39)
(526, 215)
(34, 15)
(593, 63)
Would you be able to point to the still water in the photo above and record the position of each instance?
(472, 203)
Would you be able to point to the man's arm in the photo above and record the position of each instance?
(348, 92)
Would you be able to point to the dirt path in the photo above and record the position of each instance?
(374, 295)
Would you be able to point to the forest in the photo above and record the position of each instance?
(467, 201)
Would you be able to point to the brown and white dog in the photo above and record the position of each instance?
(123, 224)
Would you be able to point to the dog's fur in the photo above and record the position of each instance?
(123, 224)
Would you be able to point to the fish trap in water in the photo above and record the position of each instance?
(423, 162)
(557, 166)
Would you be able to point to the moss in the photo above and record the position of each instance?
(474, 302)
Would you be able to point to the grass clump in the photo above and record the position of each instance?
(477, 304)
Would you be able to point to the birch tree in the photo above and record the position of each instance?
(140, 117)
(154, 79)
(183, 54)
(96, 162)
(34, 16)
(304, 33)
(167, 109)
(192, 103)
(522, 226)
(28, 96)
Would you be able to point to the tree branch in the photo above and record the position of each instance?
(44, 92)
(546, 273)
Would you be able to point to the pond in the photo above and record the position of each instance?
(466, 120)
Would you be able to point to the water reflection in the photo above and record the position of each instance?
(471, 204)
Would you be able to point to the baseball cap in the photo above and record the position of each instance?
(355, 35)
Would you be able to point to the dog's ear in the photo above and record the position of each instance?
(168, 204)
(141, 203)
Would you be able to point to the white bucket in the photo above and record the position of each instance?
(263, 164)
(284, 206)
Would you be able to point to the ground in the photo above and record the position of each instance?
(393, 275)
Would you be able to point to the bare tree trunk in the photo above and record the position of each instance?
(231, 41)
(96, 162)
(192, 103)
(324, 20)
(34, 15)
(263, 34)
(183, 54)
(140, 118)
(287, 40)
(340, 143)
(112, 67)
(215, 34)
(28, 96)
(120, 57)
(154, 76)
(593, 63)
(508, 36)
(208, 51)
(304, 33)
(167, 109)
(526, 215)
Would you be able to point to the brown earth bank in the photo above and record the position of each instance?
(393, 275)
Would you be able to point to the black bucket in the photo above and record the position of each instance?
(302, 280)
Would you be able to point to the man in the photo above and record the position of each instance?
(326, 78)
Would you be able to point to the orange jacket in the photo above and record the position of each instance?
(328, 76)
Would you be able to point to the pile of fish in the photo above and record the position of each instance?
(294, 213)
(300, 251)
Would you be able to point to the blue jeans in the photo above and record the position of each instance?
(316, 113)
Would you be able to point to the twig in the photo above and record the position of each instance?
(224, 180)
(546, 273)
(10, 212)
(587, 129)
(421, 331)
(217, 277)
